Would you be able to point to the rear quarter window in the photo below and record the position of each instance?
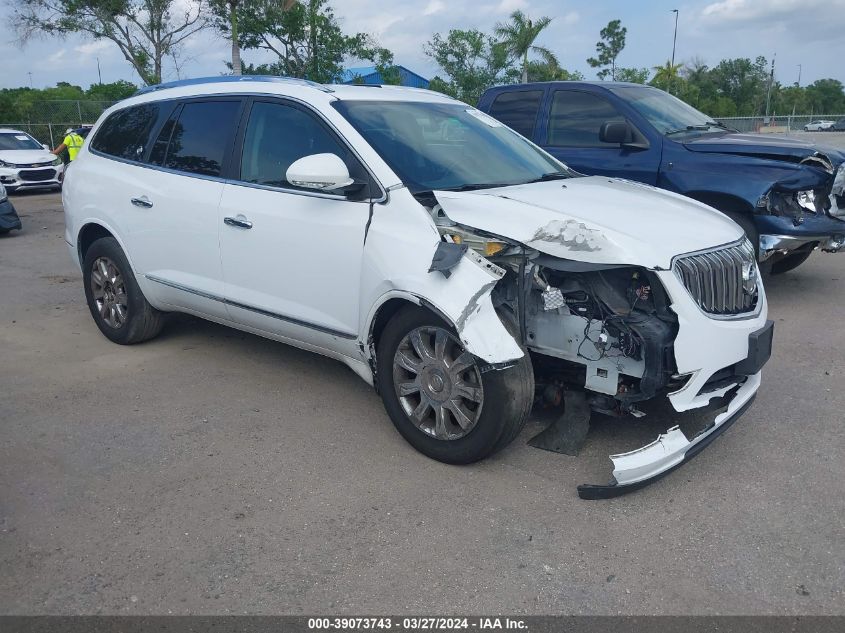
(518, 110)
(125, 133)
(194, 140)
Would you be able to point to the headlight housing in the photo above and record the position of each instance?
(57, 161)
(480, 244)
(3, 194)
(5, 164)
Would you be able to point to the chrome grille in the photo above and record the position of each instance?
(722, 281)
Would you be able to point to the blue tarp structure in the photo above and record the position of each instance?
(371, 75)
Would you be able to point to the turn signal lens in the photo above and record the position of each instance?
(491, 248)
(478, 243)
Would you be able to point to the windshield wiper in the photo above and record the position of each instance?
(699, 128)
(476, 185)
(720, 125)
(552, 175)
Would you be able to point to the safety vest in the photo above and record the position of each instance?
(73, 142)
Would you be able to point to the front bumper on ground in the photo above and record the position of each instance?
(9, 219)
(643, 466)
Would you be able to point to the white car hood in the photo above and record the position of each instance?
(26, 156)
(594, 219)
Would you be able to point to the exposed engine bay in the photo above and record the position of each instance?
(604, 328)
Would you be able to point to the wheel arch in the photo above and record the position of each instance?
(722, 201)
(88, 234)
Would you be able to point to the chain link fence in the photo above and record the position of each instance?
(776, 124)
(48, 120)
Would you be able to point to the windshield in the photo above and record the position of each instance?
(448, 146)
(17, 140)
(668, 114)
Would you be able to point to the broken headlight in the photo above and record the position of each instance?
(482, 245)
(806, 200)
(792, 204)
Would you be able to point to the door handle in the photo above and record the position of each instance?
(142, 202)
(240, 222)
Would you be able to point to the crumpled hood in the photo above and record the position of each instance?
(26, 156)
(763, 146)
(594, 219)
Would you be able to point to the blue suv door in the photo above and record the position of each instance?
(570, 132)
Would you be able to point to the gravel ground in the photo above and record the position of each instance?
(210, 471)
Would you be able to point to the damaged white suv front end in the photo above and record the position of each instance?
(619, 294)
(634, 309)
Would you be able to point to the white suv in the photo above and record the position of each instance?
(26, 164)
(452, 264)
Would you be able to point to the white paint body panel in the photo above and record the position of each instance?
(594, 219)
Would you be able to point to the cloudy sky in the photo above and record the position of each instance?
(806, 32)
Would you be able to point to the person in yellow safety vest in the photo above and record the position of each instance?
(72, 143)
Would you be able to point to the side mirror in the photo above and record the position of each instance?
(621, 133)
(325, 172)
(617, 132)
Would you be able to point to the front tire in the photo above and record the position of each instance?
(114, 298)
(437, 395)
(790, 262)
(746, 223)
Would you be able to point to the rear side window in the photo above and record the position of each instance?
(195, 139)
(276, 136)
(576, 118)
(518, 110)
(126, 132)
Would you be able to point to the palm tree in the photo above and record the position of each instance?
(665, 76)
(232, 8)
(518, 35)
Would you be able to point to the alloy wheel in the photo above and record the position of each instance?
(438, 383)
(109, 292)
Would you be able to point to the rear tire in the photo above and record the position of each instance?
(114, 298)
(437, 395)
(790, 262)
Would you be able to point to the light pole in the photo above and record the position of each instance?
(675, 38)
(798, 85)
(30, 79)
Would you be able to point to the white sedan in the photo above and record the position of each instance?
(818, 126)
(27, 164)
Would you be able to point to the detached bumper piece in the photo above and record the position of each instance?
(639, 468)
(9, 219)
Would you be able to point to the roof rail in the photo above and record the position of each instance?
(198, 81)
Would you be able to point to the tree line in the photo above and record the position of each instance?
(472, 61)
(305, 39)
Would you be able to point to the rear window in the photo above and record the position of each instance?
(126, 132)
(196, 141)
(518, 110)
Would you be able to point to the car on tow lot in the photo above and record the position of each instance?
(27, 164)
(450, 263)
(9, 219)
(818, 126)
(839, 126)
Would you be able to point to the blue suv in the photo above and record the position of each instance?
(787, 194)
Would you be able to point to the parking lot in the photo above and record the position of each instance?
(211, 471)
